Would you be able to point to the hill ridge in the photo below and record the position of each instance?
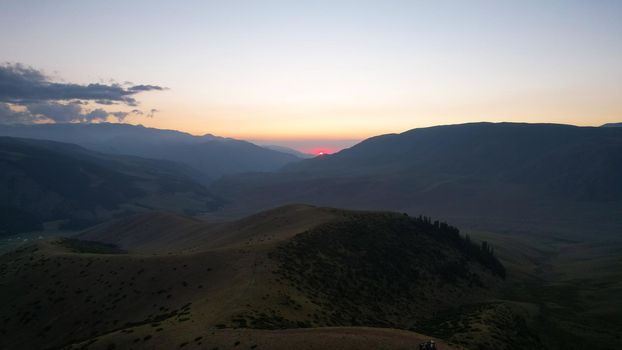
(232, 280)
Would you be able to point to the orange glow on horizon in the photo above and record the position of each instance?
(320, 151)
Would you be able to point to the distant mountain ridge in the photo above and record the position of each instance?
(44, 181)
(213, 156)
(536, 154)
(612, 125)
(284, 149)
(468, 171)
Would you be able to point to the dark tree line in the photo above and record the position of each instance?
(483, 253)
(380, 269)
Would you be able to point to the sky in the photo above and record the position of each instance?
(311, 74)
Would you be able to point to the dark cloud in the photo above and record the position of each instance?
(152, 112)
(28, 95)
(105, 102)
(9, 115)
(138, 88)
(58, 113)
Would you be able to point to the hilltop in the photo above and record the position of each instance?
(246, 282)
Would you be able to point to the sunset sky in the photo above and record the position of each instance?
(325, 73)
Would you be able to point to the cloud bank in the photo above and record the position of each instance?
(27, 95)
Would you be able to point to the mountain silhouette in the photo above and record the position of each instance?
(211, 155)
(504, 171)
(44, 181)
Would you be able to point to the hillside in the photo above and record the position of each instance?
(150, 232)
(44, 181)
(211, 155)
(283, 149)
(249, 285)
(490, 175)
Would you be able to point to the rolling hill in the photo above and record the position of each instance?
(44, 181)
(211, 155)
(491, 175)
(268, 281)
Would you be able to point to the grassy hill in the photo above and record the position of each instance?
(44, 181)
(273, 280)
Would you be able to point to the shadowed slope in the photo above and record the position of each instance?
(43, 181)
(267, 271)
(165, 231)
(329, 338)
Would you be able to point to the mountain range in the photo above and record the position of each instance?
(284, 149)
(46, 181)
(469, 173)
(210, 155)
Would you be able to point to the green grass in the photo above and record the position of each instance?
(575, 284)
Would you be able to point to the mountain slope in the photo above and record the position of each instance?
(560, 159)
(45, 181)
(235, 283)
(213, 156)
(338, 338)
(472, 173)
(288, 150)
(152, 231)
